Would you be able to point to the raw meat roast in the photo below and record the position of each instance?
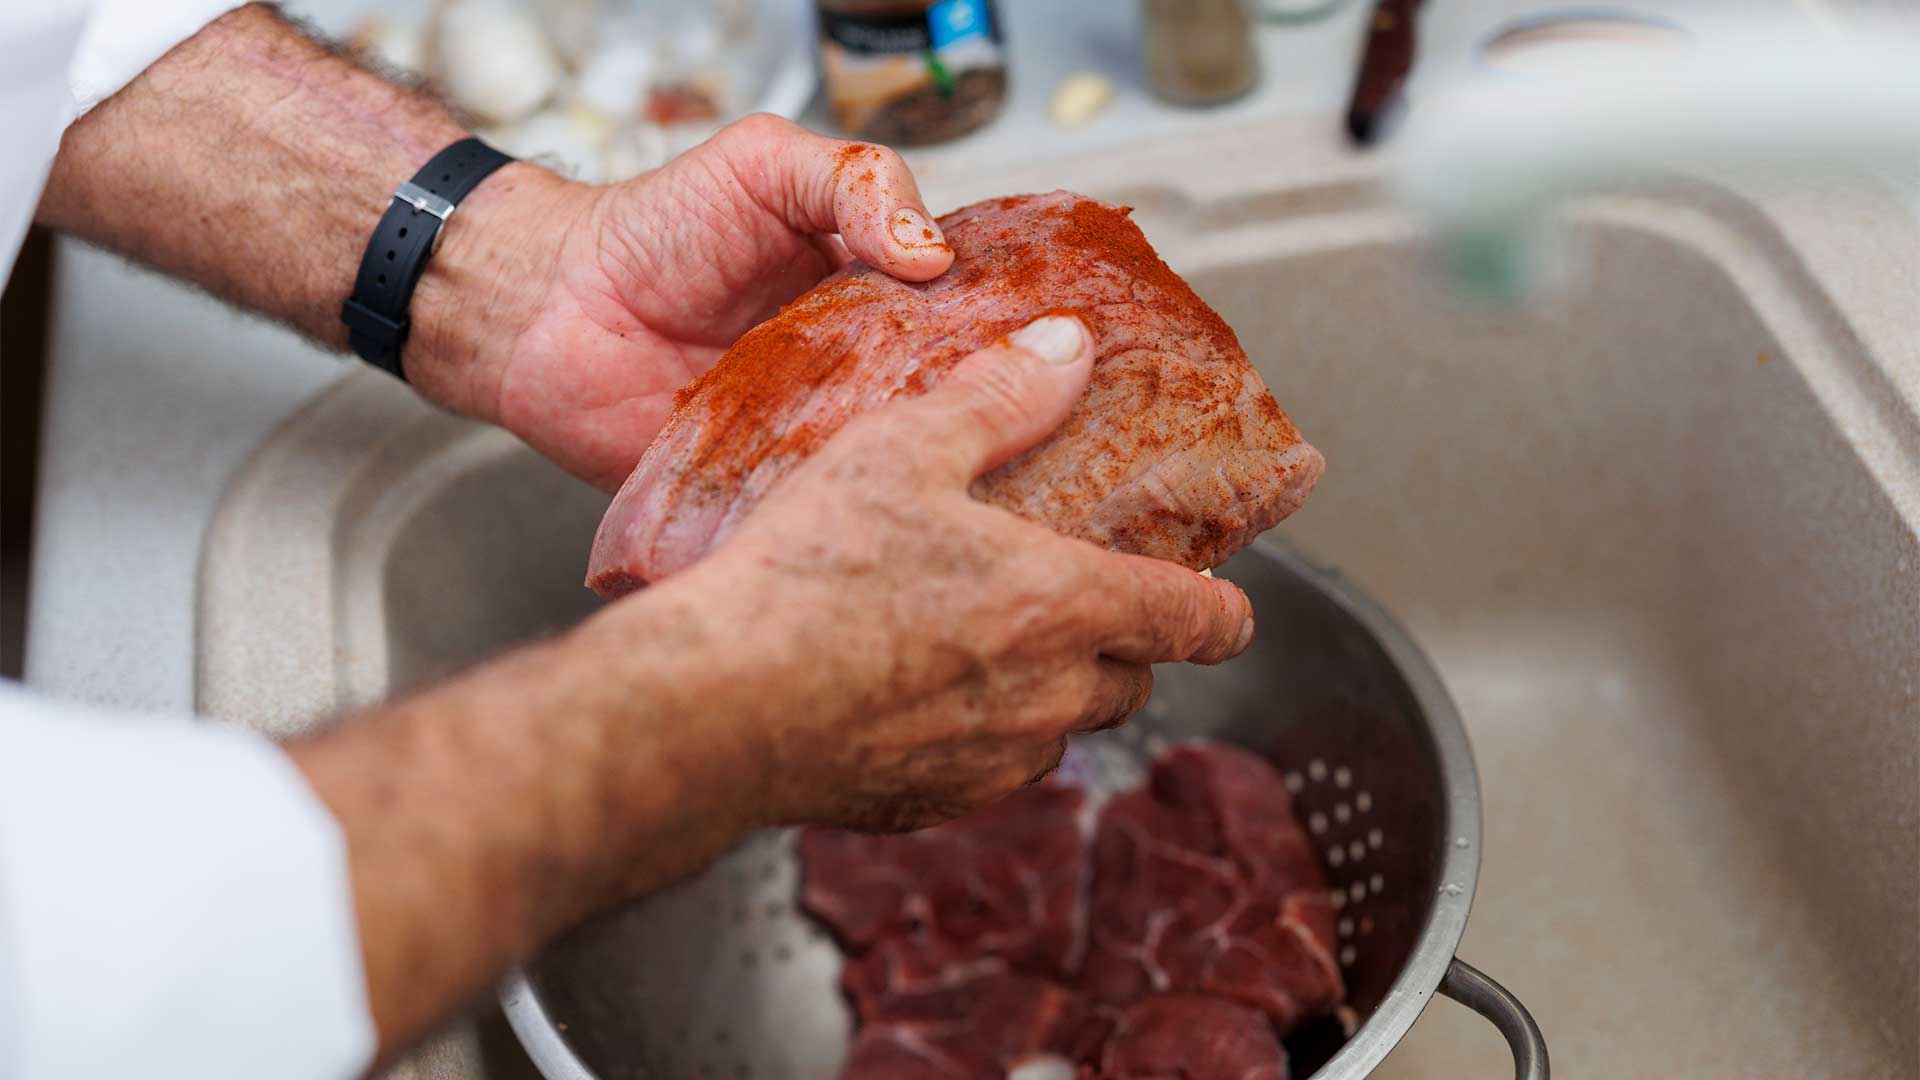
(1204, 881)
(1176, 451)
(1192, 1038)
(1004, 882)
(1192, 933)
(961, 933)
(963, 1018)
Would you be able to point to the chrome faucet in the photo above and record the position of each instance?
(1485, 159)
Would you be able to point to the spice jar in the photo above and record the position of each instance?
(1200, 52)
(911, 72)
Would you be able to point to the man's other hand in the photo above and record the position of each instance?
(599, 303)
(920, 653)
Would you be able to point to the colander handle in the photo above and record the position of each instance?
(1469, 986)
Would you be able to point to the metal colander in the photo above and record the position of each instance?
(723, 977)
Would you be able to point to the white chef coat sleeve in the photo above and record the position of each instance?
(174, 902)
(123, 37)
(36, 47)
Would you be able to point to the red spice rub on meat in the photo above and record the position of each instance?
(1177, 449)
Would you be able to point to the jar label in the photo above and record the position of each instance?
(915, 76)
(945, 25)
(955, 22)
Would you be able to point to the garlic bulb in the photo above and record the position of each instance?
(615, 78)
(573, 26)
(494, 61)
(634, 151)
(398, 43)
(570, 140)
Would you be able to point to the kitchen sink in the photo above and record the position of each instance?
(1660, 533)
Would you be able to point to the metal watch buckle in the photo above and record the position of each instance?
(423, 200)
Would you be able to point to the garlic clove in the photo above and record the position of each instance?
(397, 43)
(615, 78)
(1078, 98)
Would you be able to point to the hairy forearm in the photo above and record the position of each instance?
(486, 815)
(255, 162)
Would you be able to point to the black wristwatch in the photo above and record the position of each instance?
(376, 313)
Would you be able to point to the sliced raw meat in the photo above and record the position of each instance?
(1204, 882)
(923, 1014)
(1176, 451)
(1003, 882)
(1184, 1037)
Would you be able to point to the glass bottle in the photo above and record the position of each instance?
(1200, 52)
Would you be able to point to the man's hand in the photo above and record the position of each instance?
(254, 162)
(933, 652)
(872, 648)
(623, 294)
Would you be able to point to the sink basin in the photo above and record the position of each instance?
(1661, 536)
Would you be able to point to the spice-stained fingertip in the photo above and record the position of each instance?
(915, 232)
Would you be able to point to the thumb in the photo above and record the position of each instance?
(819, 185)
(1005, 398)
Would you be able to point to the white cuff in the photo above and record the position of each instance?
(174, 901)
(124, 37)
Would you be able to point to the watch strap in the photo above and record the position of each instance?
(376, 312)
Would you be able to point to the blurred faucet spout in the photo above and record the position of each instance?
(1485, 161)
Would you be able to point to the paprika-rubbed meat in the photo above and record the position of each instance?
(1176, 451)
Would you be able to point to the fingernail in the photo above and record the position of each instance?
(1246, 636)
(912, 230)
(1057, 339)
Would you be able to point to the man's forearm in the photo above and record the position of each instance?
(255, 162)
(487, 814)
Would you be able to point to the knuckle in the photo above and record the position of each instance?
(1079, 567)
(902, 439)
(1125, 689)
(1050, 757)
(1088, 691)
(874, 437)
(1057, 706)
(1068, 606)
(761, 128)
(900, 456)
(887, 158)
(1176, 611)
(1086, 608)
(1136, 681)
(1024, 763)
(1057, 573)
(994, 394)
(1067, 580)
(1198, 617)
